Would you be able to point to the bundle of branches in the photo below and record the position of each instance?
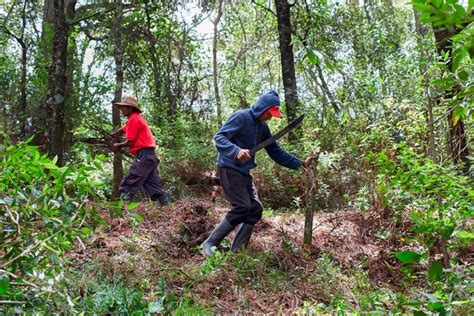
(104, 141)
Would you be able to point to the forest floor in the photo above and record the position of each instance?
(348, 261)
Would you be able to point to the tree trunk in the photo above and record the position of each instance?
(57, 82)
(421, 32)
(117, 165)
(287, 63)
(457, 133)
(214, 63)
(154, 59)
(24, 50)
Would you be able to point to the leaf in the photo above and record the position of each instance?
(444, 84)
(458, 36)
(423, 7)
(458, 57)
(50, 166)
(86, 230)
(465, 235)
(458, 113)
(437, 3)
(435, 272)
(470, 5)
(408, 256)
(4, 284)
(329, 64)
(312, 56)
(156, 307)
(463, 75)
(136, 216)
(132, 205)
(465, 92)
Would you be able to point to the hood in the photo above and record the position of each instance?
(265, 102)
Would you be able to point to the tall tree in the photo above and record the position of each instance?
(214, 61)
(458, 140)
(421, 33)
(152, 41)
(287, 62)
(117, 32)
(57, 79)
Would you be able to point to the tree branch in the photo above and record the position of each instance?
(264, 7)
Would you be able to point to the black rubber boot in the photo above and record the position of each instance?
(164, 198)
(242, 237)
(216, 236)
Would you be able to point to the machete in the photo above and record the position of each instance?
(278, 135)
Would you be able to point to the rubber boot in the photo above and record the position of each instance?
(242, 237)
(164, 198)
(216, 236)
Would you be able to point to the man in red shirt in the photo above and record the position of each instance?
(140, 141)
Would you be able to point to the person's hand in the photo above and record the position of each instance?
(307, 162)
(243, 155)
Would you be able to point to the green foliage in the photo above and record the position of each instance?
(214, 262)
(186, 151)
(456, 66)
(440, 203)
(408, 256)
(45, 209)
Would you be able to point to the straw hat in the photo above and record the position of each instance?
(129, 101)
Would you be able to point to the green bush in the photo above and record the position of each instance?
(44, 209)
(440, 204)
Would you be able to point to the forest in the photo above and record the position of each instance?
(366, 207)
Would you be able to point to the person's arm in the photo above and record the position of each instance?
(118, 132)
(126, 143)
(223, 136)
(278, 154)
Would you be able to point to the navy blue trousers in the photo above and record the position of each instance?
(143, 173)
(240, 191)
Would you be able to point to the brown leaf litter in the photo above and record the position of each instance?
(168, 238)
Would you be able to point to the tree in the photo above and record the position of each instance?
(117, 34)
(57, 79)
(214, 61)
(287, 62)
(421, 32)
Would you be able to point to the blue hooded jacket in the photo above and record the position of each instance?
(244, 131)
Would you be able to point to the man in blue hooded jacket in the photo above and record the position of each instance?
(244, 130)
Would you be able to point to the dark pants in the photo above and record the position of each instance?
(240, 191)
(143, 172)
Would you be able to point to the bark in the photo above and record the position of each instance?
(287, 64)
(170, 96)
(214, 62)
(117, 164)
(24, 51)
(457, 133)
(41, 112)
(57, 83)
(422, 31)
